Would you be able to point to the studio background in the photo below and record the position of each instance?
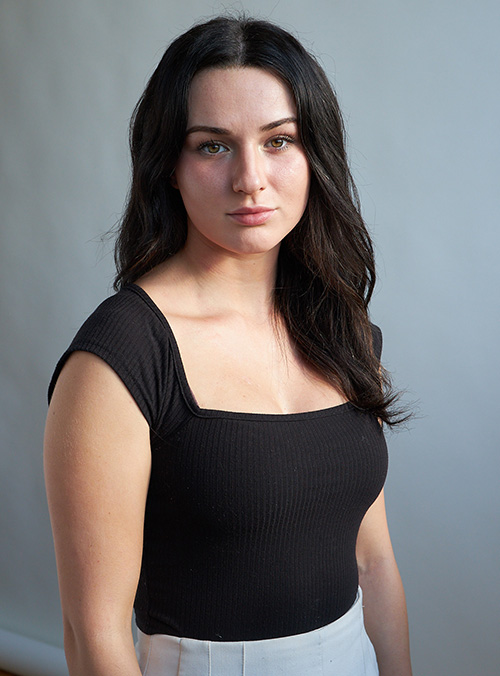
(418, 83)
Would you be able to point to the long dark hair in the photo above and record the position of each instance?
(326, 269)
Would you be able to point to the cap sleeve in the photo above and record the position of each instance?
(127, 336)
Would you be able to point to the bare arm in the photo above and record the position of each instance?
(97, 465)
(384, 602)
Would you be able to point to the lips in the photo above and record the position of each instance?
(252, 215)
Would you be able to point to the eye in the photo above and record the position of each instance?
(281, 142)
(212, 148)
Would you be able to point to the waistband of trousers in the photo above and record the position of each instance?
(334, 630)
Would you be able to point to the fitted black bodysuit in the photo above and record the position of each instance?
(251, 519)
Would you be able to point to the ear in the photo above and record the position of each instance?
(173, 180)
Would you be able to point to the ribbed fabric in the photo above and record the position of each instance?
(341, 648)
(251, 519)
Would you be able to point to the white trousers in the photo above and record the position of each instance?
(341, 648)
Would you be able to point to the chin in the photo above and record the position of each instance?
(255, 242)
(255, 247)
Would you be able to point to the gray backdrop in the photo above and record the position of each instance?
(418, 82)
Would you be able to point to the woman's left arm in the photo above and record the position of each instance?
(384, 604)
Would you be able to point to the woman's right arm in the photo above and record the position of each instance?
(97, 463)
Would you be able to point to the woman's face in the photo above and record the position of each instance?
(243, 174)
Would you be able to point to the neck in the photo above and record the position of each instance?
(224, 281)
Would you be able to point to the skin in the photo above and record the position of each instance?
(242, 150)
(217, 295)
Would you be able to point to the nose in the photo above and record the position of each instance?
(249, 174)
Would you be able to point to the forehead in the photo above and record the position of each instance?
(236, 95)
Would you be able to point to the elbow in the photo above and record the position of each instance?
(72, 648)
(88, 646)
(380, 576)
(376, 569)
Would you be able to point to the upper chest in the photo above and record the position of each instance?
(234, 364)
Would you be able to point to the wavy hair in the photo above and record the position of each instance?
(326, 269)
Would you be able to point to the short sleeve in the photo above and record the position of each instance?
(128, 337)
(377, 341)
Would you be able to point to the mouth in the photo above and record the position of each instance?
(252, 215)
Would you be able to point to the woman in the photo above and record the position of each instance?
(214, 454)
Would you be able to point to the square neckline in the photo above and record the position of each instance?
(188, 393)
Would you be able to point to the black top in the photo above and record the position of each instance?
(251, 519)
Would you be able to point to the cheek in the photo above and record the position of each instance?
(294, 178)
(199, 179)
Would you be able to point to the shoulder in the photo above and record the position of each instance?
(126, 332)
(125, 314)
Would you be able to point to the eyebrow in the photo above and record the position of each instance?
(220, 131)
